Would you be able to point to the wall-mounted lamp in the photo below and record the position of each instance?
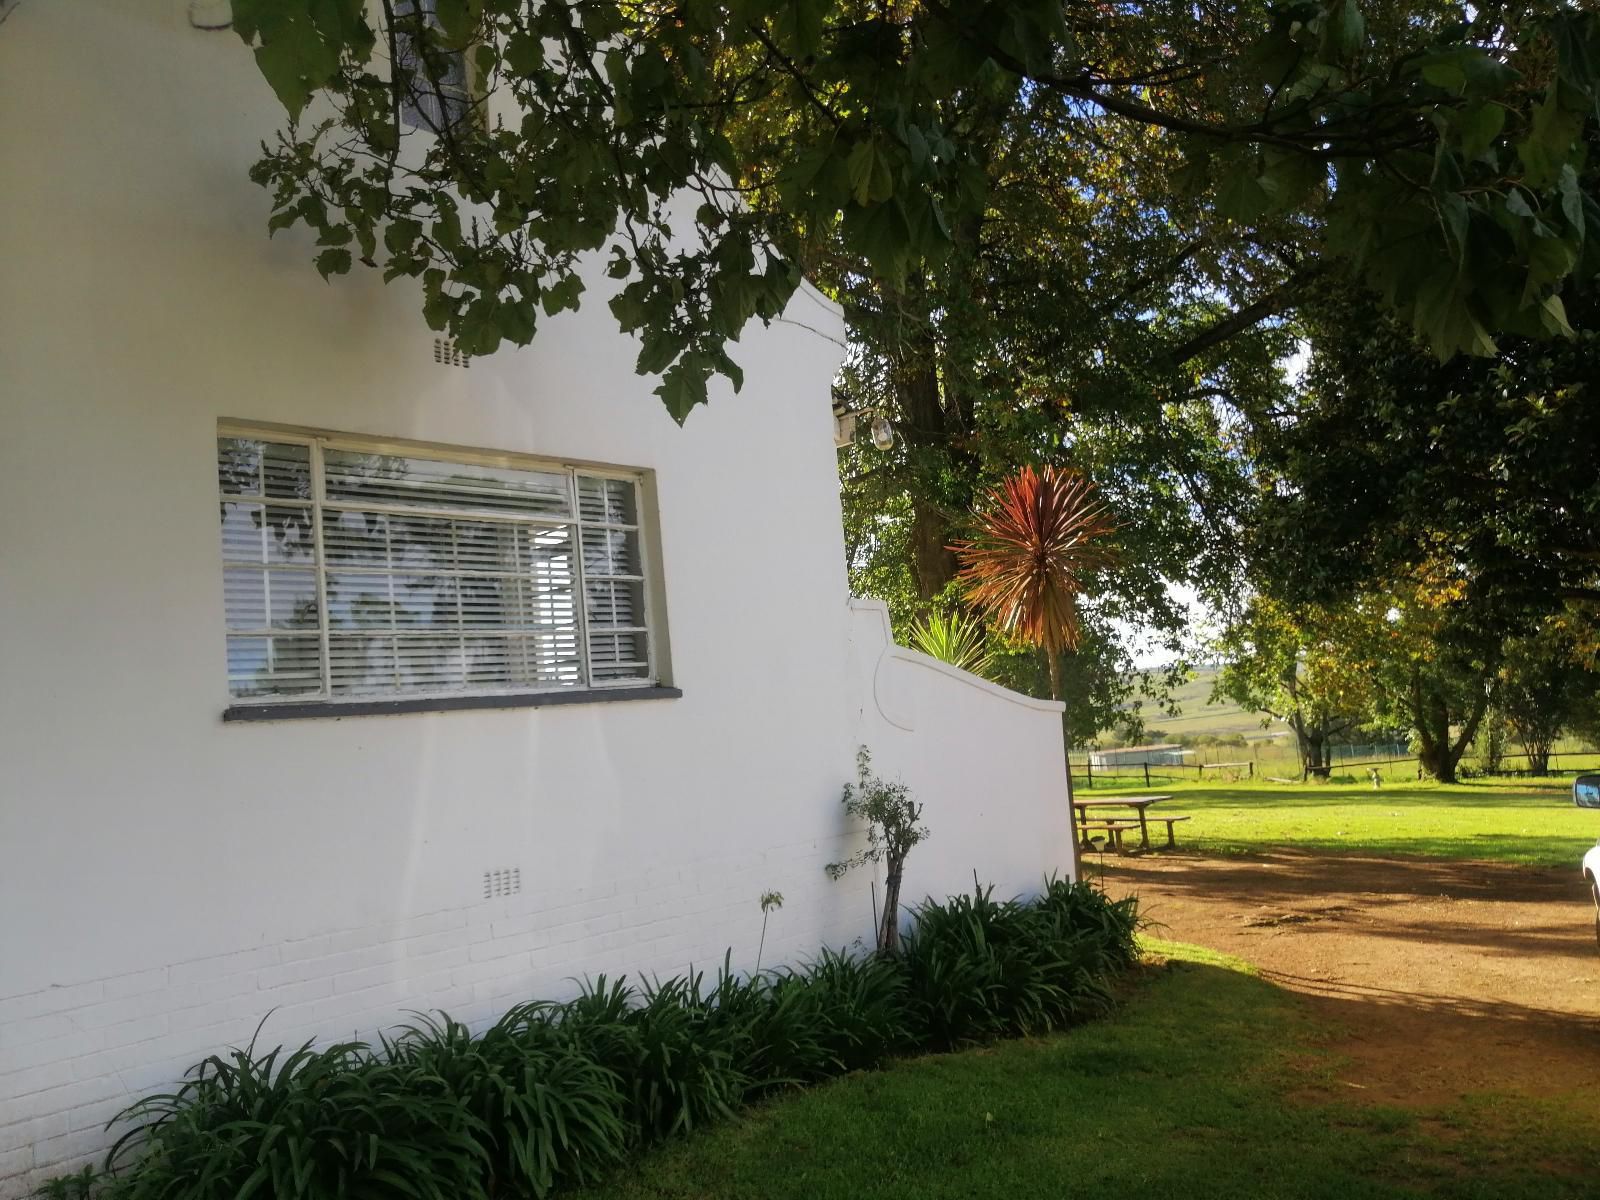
(210, 14)
(882, 433)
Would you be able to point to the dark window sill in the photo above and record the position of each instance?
(295, 711)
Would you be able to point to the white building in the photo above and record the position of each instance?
(337, 680)
(1164, 754)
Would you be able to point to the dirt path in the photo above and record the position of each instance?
(1439, 978)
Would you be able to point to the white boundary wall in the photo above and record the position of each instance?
(168, 881)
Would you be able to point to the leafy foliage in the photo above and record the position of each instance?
(1436, 155)
(1308, 666)
(545, 1106)
(1386, 455)
(339, 1121)
(955, 638)
(981, 969)
(553, 1094)
(1547, 679)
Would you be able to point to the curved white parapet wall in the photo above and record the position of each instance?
(985, 762)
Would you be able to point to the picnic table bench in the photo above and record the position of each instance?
(1115, 826)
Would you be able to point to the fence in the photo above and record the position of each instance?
(1392, 761)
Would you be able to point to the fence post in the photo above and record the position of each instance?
(1147, 773)
(1251, 773)
(1088, 769)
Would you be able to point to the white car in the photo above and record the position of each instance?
(1586, 794)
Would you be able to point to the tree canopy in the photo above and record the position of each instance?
(1431, 148)
(1063, 234)
(1386, 456)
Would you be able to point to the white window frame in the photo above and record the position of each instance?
(318, 441)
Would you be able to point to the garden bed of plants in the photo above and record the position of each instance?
(554, 1094)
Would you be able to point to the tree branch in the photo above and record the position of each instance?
(1279, 299)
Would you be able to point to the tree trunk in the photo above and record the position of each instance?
(932, 558)
(1432, 723)
(1053, 659)
(1297, 723)
(889, 925)
(1316, 752)
(1469, 730)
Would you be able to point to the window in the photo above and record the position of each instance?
(357, 571)
(437, 94)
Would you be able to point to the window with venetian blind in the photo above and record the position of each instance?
(353, 571)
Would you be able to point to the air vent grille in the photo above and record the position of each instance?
(507, 881)
(446, 353)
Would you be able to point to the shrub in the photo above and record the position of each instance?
(1112, 926)
(864, 1006)
(334, 1123)
(546, 1109)
(554, 1094)
(678, 1069)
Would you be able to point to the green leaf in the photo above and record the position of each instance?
(458, 20)
(1517, 205)
(478, 332)
(1347, 30)
(799, 25)
(681, 389)
(862, 166)
(658, 349)
(1446, 74)
(1444, 315)
(447, 227)
(1550, 260)
(1477, 128)
(1456, 216)
(298, 53)
(1549, 141)
(562, 296)
(1571, 198)
(1554, 313)
(333, 262)
(524, 53)
(1241, 197)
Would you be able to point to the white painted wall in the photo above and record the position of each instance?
(165, 879)
(985, 762)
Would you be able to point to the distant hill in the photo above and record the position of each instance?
(1199, 715)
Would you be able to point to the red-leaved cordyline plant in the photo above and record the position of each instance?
(1037, 536)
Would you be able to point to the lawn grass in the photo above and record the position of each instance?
(1529, 822)
(1197, 1088)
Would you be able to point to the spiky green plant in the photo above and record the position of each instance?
(553, 1094)
(955, 638)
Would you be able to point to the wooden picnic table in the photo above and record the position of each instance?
(1138, 803)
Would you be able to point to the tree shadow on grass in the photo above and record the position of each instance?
(1208, 1084)
(1312, 872)
(1534, 850)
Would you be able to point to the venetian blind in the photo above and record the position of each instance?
(353, 572)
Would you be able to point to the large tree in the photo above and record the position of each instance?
(1434, 662)
(1428, 146)
(1310, 667)
(1547, 683)
(1386, 456)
